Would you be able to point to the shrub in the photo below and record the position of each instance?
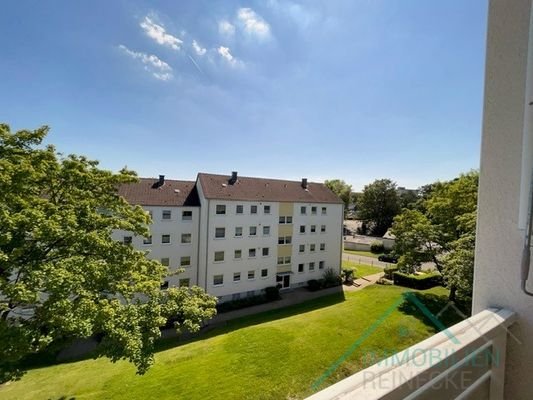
(377, 247)
(331, 278)
(313, 285)
(384, 281)
(347, 275)
(390, 270)
(423, 281)
(272, 293)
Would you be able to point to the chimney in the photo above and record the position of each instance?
(233, 178)
(304, 183)
(161, 180)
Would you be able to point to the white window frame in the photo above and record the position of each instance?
(187, 264)
(215, 256)
(236, 235)
(235, 254)
(267, 227)
(223, 230)
(184, 217)
(222, 208)
(169, 238)
(250, 231)
(166, 213)
(236, 275)
(184, 235)
(221, 282)
(263, 252)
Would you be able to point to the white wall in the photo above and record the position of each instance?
(499, 239)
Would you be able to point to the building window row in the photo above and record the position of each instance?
(186, 238)
(313, 210)
(186, 215)
(239, 209)
(285, 219)
(312, 229)
(284, 260)
(220, 232)
(311, 266)
(312, 247)
(218, 280)
(284, 239)
(219, 256)
(185, 261)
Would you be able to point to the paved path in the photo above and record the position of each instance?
(361, 283)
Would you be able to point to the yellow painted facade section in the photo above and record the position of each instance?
(286, 209)
(284, 250)
(284, 268)
(285, 230)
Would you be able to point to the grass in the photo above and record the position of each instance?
(361, 269)
(362, 253)
(273, 355)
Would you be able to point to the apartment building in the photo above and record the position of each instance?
(239, 235)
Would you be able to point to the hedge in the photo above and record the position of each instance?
(391, 269)
(423, 281)
(271, 294)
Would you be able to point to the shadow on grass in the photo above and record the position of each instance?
(48, 358)
(438, 305)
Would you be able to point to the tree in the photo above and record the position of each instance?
(408, 199)
(379, 204)
(61, 274)
(443, 230)
(341, 189)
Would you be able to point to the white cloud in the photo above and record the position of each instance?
(225, 53)
(157, 67)
(226, 28)
(199, 50)
(253, 23)
(159, 34)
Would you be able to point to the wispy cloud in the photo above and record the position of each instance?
(225, 53)
(159, 34)
(226, 28)
(199, 50)
(253, 24)
(153, 64)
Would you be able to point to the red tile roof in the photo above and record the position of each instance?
(263, 189)
(147, 192)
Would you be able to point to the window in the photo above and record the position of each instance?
(239, 209)
(313, 210)
(251, 252)
(218, 280)
(302, 228)
(264, 273)
(284, 260)
(311, 266)
(281, 220)
(185, 238)
(165, 262)
(251, 274)
(289, 220)
(266, 230)
(186, 282)
(301, 248)
(165, 239)
(147, 240)
(127, 239)
(185, 261)
(253, 230)
(167, 214)
(186, 216)
(285, 240)
(303, 210)
(300, 268)
(323, 228)
(236, 277)
(287, 260)
(312, 247)
(266, 251)
(219, 256)
(253, 209)
(285, 220)
(322, 246)
(324, 210)
(313, 228)
(220, 233)
(221, 209)
(237, 254)
(164, 285)
(321, 265)
(238, 231)
(266, 209)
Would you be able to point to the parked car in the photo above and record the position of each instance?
(389, 258)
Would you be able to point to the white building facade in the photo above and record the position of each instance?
(236, 236)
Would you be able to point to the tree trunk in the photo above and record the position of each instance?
(452, 296)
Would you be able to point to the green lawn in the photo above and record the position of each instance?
(362, 253)
(361, 269)
(274, 355)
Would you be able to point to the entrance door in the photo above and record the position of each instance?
(284, 281)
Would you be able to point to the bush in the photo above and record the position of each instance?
(424, 281)
(313, 285)
(331, 278)
(377, 247)
(272, 293)
(391, 269)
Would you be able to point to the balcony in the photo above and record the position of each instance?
(466, 361)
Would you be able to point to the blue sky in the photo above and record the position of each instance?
(351, 89)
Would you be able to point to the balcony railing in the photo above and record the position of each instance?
(466, 361)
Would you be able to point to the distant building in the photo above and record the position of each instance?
(234, 236)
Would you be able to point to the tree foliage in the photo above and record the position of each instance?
(379, 204)
(61, 274)
(442, 229)
(341, 189)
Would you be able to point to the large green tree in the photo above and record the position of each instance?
(341, 189)
(443, 230)
(379, 204)
(61, 274)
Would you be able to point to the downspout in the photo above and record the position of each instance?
(199, 243)
(207, 242)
